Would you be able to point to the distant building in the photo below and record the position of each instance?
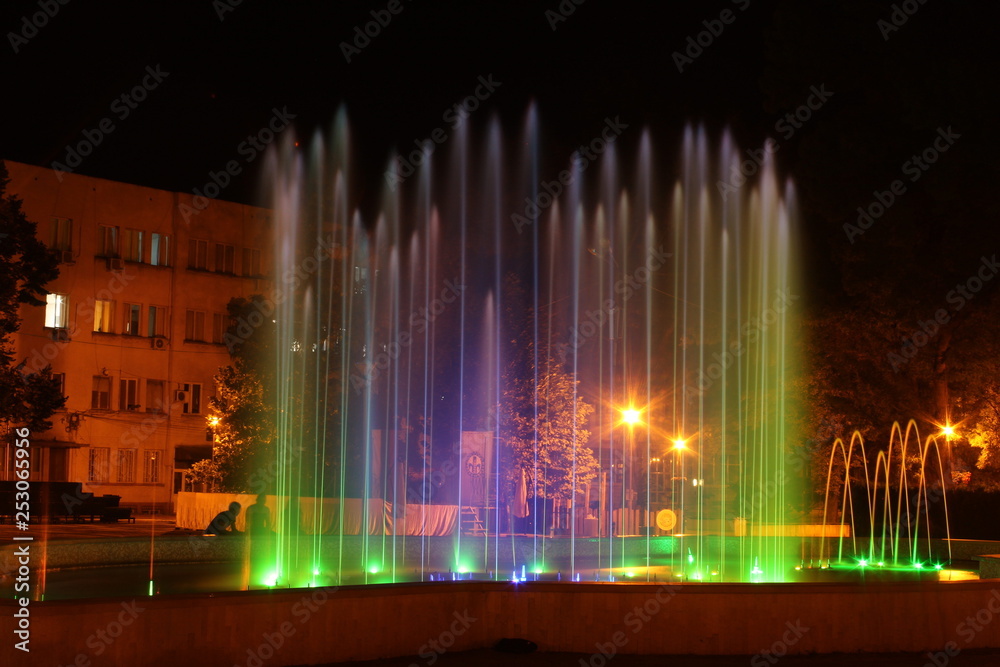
(133, 326)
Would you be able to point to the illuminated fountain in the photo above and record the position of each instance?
(898, 503)
(671, 300)
(631, 330)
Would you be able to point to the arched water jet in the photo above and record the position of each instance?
(898, 526)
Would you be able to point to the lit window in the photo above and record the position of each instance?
(159, 253)
(97, 468)
(126, 465)
(128, 397)
(194, 325)
(103, 315)
(197, 254)
(100, 396)
(133, 315)
(132, 244)
(360, 279)
(225, 258)
(56, 311)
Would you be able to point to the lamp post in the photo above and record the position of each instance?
(631, 417)
(605, 253)
(680, 444)
(948, 431)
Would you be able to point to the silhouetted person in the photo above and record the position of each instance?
(224, 522)
(259, 517)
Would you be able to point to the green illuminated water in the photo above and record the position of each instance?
(673, 299)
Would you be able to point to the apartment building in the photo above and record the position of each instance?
(133, 326)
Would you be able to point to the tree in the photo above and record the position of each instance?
(243, 424)
(27, 397)
(543, 419)
(547, 435)
(242, 412)
(894, 175)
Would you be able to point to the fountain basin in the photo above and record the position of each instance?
(370, 622)
(184, 564)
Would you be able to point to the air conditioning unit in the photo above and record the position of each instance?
(180, 396)
(60, 335)
(66, 257)
(116, 264)
(158, 343)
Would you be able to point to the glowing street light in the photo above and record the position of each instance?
(680, 443)
(631, 417)
(947, 430)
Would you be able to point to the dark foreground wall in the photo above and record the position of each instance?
(309, 626)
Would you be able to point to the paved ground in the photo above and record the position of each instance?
(488, 658)
(144, 525)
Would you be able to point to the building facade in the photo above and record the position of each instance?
(133, 326)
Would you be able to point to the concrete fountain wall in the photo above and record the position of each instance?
(309, 626)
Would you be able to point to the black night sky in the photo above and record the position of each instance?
(231, 63)
(894, 77)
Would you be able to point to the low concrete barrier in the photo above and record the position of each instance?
(308, 626)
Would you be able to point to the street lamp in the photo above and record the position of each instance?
(680, 445)
(631, 417)
(948, 431)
